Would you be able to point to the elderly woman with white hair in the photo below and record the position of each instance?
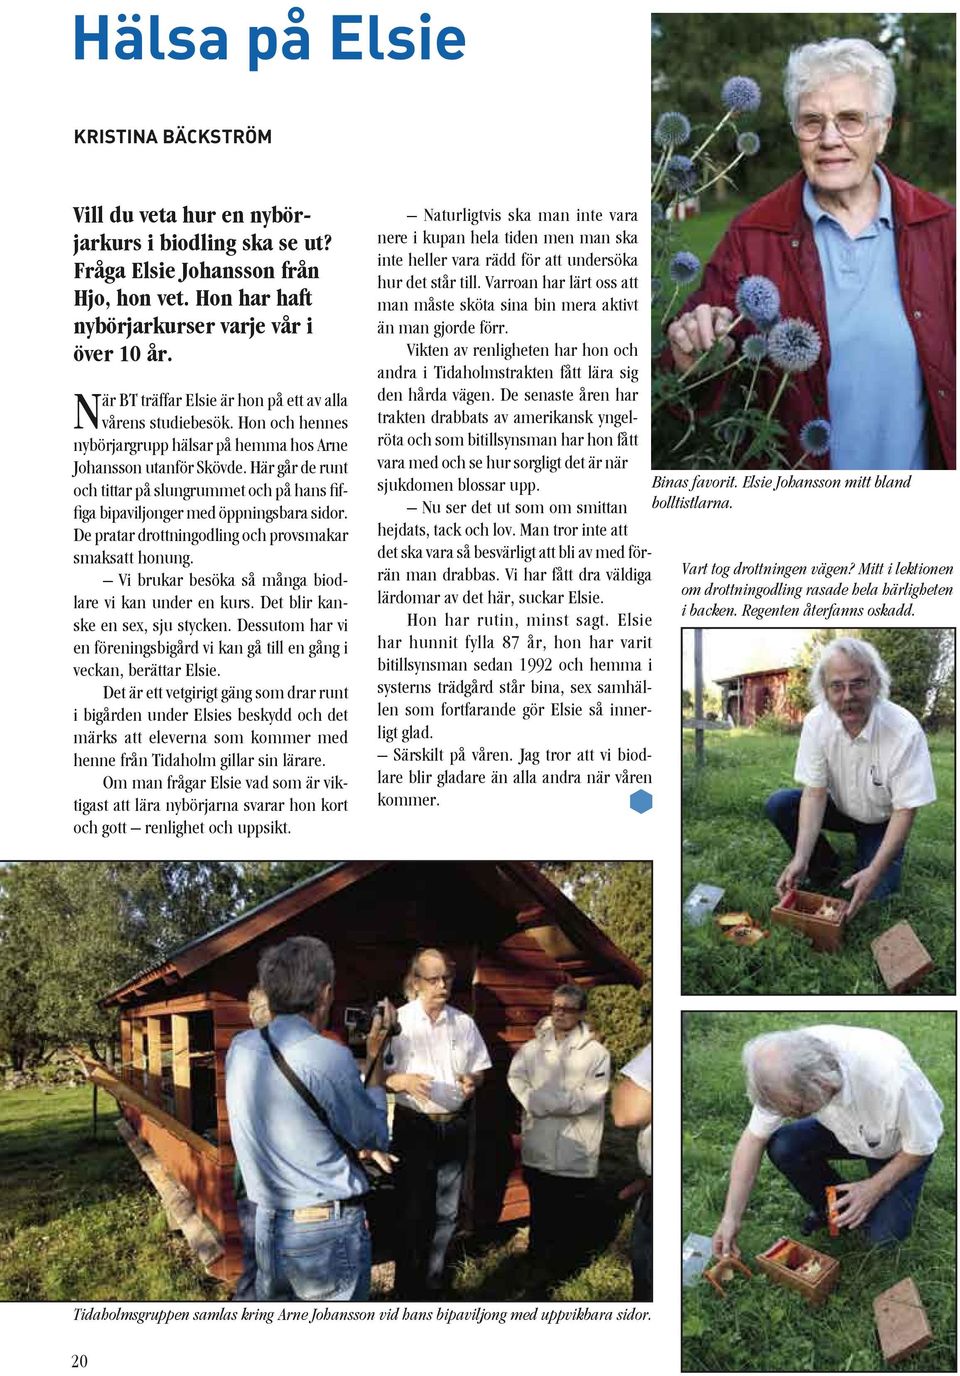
(864, 767)
(854, 1093)
(864, 265)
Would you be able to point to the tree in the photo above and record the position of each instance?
(20, 1042)
(70, 931)
(694, 53)
(618, 897)
(920, 660)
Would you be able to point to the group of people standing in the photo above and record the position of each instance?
(308, 1130)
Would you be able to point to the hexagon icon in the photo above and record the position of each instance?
(641, 801)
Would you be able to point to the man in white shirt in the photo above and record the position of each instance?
(865, 768)
(855, 1093)
(633, 1108)
(434, 1067)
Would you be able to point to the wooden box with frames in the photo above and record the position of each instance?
(814, 915)
(811, 1273)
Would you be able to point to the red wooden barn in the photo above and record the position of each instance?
(514, 937)
(757, 693)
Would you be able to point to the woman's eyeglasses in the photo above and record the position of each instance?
(849, 124)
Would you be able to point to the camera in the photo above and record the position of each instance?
(358, 1019)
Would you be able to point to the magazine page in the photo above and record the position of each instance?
(361, 539)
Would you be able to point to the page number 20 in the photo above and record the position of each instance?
(78, 1359)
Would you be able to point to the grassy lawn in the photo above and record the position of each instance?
(80, 1221)
(763, 1327)
(499, 1269)
(703, 232)
(728, 841)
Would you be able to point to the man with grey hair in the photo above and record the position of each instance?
(561, 1077)
(299, 1151)
(854, 1093)
(434, 1068)
(865, 768)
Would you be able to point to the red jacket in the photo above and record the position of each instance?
(775, 239)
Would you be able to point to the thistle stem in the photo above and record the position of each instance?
(711, 136)
(778, 394)
(661, 168)
(663, 318)
(746, 406)
(720, 175)
(773, 406)
(753, 383)
(710, 376)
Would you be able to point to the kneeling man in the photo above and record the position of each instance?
(865, 768)
(854, 1093)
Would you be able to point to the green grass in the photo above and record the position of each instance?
(78, 1218)
(499, 1269)
(80, 1221)
(728, 841)
(702, 233)
(762, 1327)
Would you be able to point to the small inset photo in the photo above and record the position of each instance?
(397, 1081)
(818, 811)
(801, 166)
(819, 1191)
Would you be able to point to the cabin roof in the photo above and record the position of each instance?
(755, 673)
(518, 887)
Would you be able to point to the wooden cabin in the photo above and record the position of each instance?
(757, 693)
(514, 937)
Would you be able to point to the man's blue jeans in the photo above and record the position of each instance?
(783, 810)
(246, 1287)
(803, 1150)
(327, 1260)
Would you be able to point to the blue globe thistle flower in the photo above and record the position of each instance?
(672, 130)
(793, 345)
(683, 267)
(740, 93)
(754, 348)
(656, 212)
(758, 299)
(748, 143)
(681, 174)
(815, 437)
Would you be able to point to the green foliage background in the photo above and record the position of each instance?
(921, 660)
(693, 54)
(72, 930)
(618, 897)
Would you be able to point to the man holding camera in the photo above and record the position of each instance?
(435, 1066)
(298, 1148)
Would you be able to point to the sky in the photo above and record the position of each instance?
(727, 652)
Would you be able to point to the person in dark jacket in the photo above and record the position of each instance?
(866, 259)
